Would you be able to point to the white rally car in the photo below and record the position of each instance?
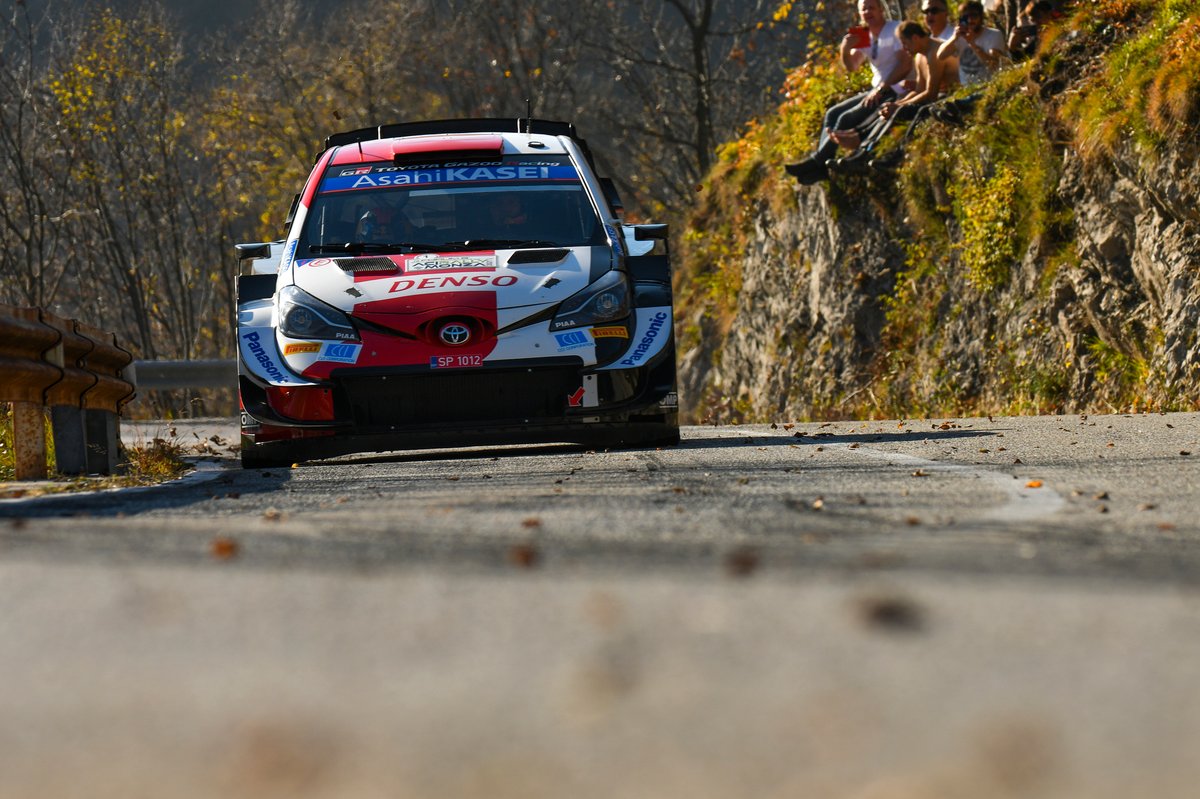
(455, 283)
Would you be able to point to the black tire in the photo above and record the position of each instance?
(640, 438)
(669, 440)
(260, 457)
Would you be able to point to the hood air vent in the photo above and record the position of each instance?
(366, 265)
(537, 256)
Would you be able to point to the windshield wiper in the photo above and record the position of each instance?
(512, 244)
(355, 247)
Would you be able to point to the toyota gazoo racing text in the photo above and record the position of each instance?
(455, 283)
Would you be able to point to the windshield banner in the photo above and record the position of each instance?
(366, 178)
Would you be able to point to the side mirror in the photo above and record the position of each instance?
(611, 196)
(650, 232)
(251, 252)
(292, 211)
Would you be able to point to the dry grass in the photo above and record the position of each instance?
(143, 463)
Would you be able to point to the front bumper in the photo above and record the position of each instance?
(528, 404)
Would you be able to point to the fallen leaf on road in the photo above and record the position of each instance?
(525, 556)
(223, 548)
(531, 522)
(891, 613)
(741, 562)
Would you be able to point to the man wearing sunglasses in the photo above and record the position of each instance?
(937, 19)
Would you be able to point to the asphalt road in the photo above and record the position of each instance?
(923, 608)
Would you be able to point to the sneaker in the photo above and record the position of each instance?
(853, 164)
(808, 171)
(948, 113)
(889, 160)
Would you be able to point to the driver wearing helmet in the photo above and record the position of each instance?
(386, 222)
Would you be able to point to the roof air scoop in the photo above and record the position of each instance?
(418, 149)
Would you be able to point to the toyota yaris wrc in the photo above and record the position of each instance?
(455, 283)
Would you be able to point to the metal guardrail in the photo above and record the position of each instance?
(75, 370)
(160, 375)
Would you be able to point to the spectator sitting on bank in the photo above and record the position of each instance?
(890, 65)
(980, 51)
(937, 20)
(927, 87)
(1023, 39)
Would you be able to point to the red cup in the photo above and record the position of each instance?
(860, 36)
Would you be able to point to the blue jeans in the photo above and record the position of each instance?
(848, 113)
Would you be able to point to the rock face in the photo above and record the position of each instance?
(830, 323)
(1138, 236)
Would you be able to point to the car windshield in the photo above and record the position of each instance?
(516, 201)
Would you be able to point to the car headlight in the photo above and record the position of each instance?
(606, 300)
(302, 315)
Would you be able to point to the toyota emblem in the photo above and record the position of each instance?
(455, 334)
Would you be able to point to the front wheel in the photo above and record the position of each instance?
(256, 456)
(639, 437)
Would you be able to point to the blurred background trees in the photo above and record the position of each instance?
(136, 147)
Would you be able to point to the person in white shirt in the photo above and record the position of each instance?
(980, 50)
(890, 64)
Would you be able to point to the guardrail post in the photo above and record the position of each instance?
(70, 442)
(103, 440)
(29, 441)
(75, 370)
(66, 422)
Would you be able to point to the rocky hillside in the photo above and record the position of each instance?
(1041, 258)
